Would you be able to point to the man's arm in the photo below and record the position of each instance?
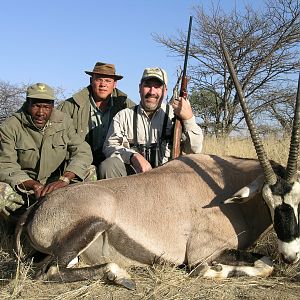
(116, 142)
(10, 170)
(192, 133)
(80, 158)
(80, 155)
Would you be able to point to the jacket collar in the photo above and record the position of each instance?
(56, 116)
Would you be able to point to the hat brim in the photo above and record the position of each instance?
(116, 77)
(41, 96)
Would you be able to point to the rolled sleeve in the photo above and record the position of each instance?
(194, 136)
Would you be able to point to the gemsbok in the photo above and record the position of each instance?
(190, 211)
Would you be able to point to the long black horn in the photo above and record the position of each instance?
(260, 152)
(291, 167)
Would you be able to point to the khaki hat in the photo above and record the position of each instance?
(104, 69)
(40, 91)
(157, 73)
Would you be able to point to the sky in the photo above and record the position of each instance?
(55, 41)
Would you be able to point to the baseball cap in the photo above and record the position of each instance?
(40, 91)
(157, 73)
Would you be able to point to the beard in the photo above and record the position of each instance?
(151, 103)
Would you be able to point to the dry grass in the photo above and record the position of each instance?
(276, 149)
(163, 281)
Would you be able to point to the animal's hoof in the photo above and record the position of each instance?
(119, 276)
(217, 267)
(127, 283)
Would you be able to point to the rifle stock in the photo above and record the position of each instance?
(183, 93)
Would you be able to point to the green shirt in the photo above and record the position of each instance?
(98, 124)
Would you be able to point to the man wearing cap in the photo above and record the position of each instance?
(93, 108)
(39, 151)
(140, 138)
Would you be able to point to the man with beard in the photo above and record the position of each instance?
(140, 138)
(39, 152)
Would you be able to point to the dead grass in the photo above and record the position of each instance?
(276, 149)
(162, 281)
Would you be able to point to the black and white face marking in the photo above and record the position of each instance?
(283, 200)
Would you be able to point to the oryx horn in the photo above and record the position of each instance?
(291, 167)
(262, 157)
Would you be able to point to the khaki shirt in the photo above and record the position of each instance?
(121, 135)
(29, 153)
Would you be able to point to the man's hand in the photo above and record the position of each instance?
(31, 185)
(52, 187)
(66, 178)
(182, 108)
(139, 163)
(41, 190)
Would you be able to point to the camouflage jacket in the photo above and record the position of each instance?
(29, 153)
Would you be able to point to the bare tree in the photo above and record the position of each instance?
(277, 105)
(262, 44)
(11, 98)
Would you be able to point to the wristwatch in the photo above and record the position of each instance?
(65, 179)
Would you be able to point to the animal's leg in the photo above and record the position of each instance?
(236, 263)
(43, 266)
(70, 246)
(98, 252)
(110, 272)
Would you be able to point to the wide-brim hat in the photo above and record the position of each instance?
(105, 69)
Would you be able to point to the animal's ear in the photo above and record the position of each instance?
(247, 192)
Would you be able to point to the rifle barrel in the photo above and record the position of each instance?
(182, 93)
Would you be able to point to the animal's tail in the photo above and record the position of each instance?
(18, 232)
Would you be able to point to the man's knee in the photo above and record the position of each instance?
(112, 167)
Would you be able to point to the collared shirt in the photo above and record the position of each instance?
(121, 134)
(99, 123)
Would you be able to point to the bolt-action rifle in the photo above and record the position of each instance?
(183, 93)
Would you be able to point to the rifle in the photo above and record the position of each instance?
(183, 93)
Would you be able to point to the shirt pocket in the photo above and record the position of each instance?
(27, 155)
(59, 148)
(59, 141)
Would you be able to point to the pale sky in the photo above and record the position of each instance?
(55, 41)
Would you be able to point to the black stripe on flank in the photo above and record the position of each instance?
(285, 223)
